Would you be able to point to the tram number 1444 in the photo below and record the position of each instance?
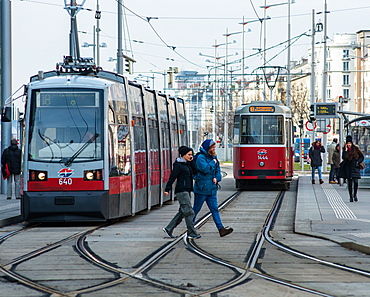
(65, 181)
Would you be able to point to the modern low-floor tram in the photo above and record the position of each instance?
(96, 146)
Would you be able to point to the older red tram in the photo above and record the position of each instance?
(263, 145)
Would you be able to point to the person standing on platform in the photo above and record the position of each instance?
(12, 156)
(183, 171)
(331, 150)
(316, 160)
(206, 184)
(352, 156)
(336, 161)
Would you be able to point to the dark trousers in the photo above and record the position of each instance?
(332, 173)
(355, 187)
(185, 211)
(335, 174)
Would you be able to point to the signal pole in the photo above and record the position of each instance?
(119, 46)
(6, 72)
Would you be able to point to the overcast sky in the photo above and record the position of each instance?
(40, 32)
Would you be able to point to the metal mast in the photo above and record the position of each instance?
(73, 8)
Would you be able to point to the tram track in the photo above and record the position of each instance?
(8, 267)
(147, 263)
(241, 274)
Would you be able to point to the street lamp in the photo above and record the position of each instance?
(288, 82)
(101, 45)
(145, 78)
(243, 51)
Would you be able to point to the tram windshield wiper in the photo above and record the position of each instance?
(81, 149)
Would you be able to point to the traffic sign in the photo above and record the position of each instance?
(310, 126)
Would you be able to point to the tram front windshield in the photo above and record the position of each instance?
(65, 125)
(262, 129)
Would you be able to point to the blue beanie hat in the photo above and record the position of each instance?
(207, 144)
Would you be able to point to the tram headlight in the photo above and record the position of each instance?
(36, 175)
(262, 164)
(41, 176)
(93, 174)
(89, 175)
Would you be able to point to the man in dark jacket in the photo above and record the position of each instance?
(12, 156)
(183, 171)
(316, 161)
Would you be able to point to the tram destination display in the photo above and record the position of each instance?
(78, 99)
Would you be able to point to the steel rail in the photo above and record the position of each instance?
(137, 274)
(7, 268)
(246, 272)
(268, 238)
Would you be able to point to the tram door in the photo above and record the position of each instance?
(164, 143)
(152, 130)
(140, 149)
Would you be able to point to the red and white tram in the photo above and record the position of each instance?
(263, 145)
(96, 146)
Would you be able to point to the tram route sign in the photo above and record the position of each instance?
(326, 110)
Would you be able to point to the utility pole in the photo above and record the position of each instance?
(312, 89)
(226, 109)
(119, 46)
(97, 17)
(324, 79)
(6, 72)
(288, 65)
(264, 52)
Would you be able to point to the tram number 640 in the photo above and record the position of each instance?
(65, 181)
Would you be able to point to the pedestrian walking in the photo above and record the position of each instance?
(331, 150)
(352, 156)
(12, 156)
(316, 161)
(183, 171)
(206, 184)
(336, 161)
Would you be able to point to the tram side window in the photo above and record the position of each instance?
(236, 129)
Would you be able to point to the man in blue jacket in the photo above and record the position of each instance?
(206, 184)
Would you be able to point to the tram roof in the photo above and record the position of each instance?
(68, 80)
(266, 107)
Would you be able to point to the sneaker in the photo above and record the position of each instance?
(8, 198)
(168, 233)
(332, 182)
(194, 237)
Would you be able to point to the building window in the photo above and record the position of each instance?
(346, 93)
(329, 80)
(328, 93)
(345, 66)
(345, 54)
(346, 80)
